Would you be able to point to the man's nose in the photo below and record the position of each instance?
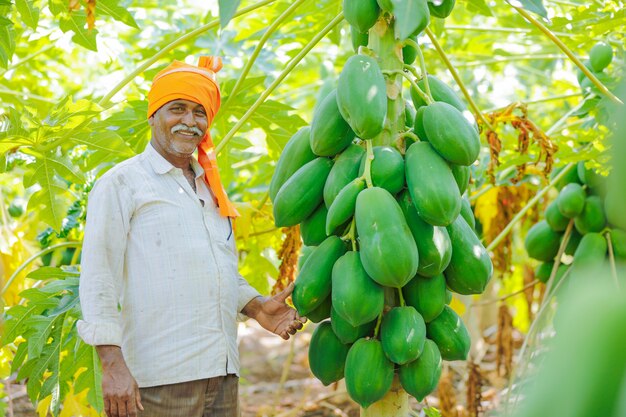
(189, 119)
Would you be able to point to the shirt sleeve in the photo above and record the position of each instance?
(104, 245)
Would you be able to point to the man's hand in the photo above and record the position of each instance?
(274, 314)
(120, 390)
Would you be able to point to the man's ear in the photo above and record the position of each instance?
(151, 121)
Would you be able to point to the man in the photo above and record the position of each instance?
(160, 290)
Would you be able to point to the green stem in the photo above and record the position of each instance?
(377, 329)
(541, 100)
(612, 258)
(563, 119)
(500, 30)
(367, 173)
(412, 70)
(421, 92)
(545, 57)
(457, 78)
(188, 36)
(292, 64)
(402, 303)
(29, 95)
(528, 206)
(569, 53)
(35, 257)
(352, 233)
(258, 49)
(557, 259)
(29, 57)
(420, 56)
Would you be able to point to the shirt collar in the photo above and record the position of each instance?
(163, 166)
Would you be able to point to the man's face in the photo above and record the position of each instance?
(178, 127)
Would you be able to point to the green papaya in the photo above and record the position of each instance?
(462, 176)
(342, 208)
(450, 335)
(412, 17)
(348, 333)
(313, 228)
(618, 241)
(591, 252)
(573, 242)
(441, 8)
(555, 219)
(303, 192)
(409, 54)
(470, 267)
(420, 377)
(580, 76)
(433, 243)
(386, 169)
(388, 250)
(362, 14)
(542, 243)
(368, 372)
(431, 183)
(600, 56)
(305, 252)
(591, 178)
(330, 133)
(467, 213)
(440, 92)
(358, 38)
(296, 153)
(592, 218)
(402, 334)
(362, 96)
(386, 5)
(543, 271)
(448, 296)
(321, 312)
(355, 296)
(426, 295)
(314, 281)
(344, 170)
(409, 114)
(327, 355)
(452, 136)
(589, 87)
(570, 177)
(418, 124)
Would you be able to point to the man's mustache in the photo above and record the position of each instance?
(182, 126)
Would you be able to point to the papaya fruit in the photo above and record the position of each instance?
(573, 242)
(433, 242)
(449, 132)
(427, 295)
(346, 332)
(409, 54)
(358, 38)
(314, 281)
(589, 87)
(321, 312)
(591, 252)
(330, 133)
(448, 296)
(618, 241)
(355, 296)
(543, 271)
(388, 250)
(344, 170)
(592, 218)
(470, 267)
(420, 377)
(412, 17)
(555, 219)
(386, 5)
(596, 182)
(440, 92)
(362, 14)
(387, 168)
(600, 56)
(542, 243)
(402, 334)
(467, 213)
(580, 76)
(450, 335)
(362, 96)
(342, 208)
(296, 153)
(305, 252)
(302, 193)
(327, 355)
(409, 114)
(368, 372)
(418, 124)
(313, 228)
(461, 176)
(570, 177)
(441, 8)
(431, 183)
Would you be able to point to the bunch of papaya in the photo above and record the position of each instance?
(378, 184)
(593, 234)
(600, 57)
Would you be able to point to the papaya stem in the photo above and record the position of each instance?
(257, 50)
(528, 206)
(402, 303)
(377, 329)
(505, 297)
(612, 258)
(569, 54)
(557, 259)
(541, 100)
(420, 55)
(367, 173)
(353, 234)
(292, 64)
(421, 93)
(458, 80)
(412, 70)
(188, 36)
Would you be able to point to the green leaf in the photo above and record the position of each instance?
(39, 327)
(535, 6)
(19, 357)
(7, 41)
(91, 378)
(107, 141)
(49, 272)
(19, 314)
(117, 12)
(478, 6)
(50, 196)
(76, 23)
(228, 8)
(411, 15)
(28, 12)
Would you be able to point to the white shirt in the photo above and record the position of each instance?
(170, 263)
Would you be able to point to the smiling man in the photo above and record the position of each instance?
(160, 291)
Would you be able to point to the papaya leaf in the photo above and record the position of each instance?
(49, 272)
(91, 377)
(48, 361)
(106, 141)
(7, 41)
(19, 314)
(19, 357)
(50, 196)
(228, 8)
(76, 22)
(39, 327)
(117, 12)
(29, 12)
(478, 6)
(535, 6)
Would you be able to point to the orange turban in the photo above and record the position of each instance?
(197, 84)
